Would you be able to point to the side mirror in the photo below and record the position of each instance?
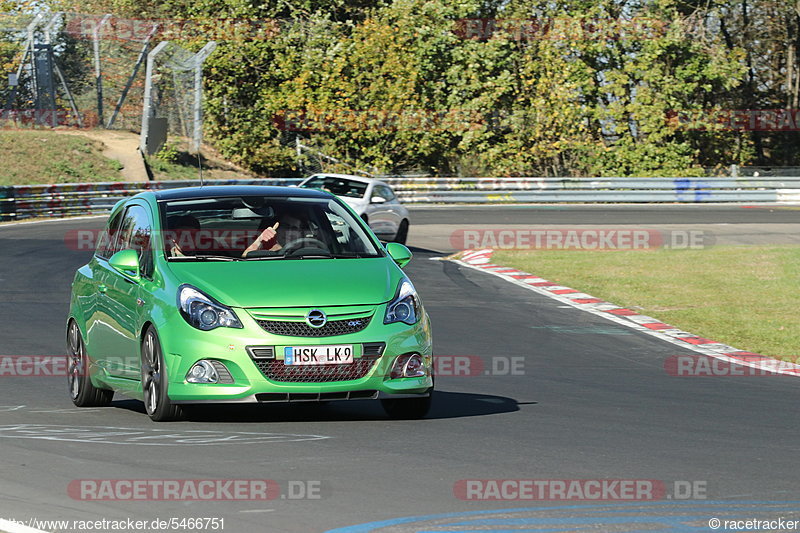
(126, 262)
(399, 253)
(378, 200)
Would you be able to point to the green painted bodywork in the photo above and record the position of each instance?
(113, 305)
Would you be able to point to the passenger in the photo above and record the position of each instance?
(182, 226)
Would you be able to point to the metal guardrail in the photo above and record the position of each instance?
(593, 184)
(594, 190)
(19, 202)
(610, 196)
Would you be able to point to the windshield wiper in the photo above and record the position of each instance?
(353, 255)
(262, 257)
(315, 255)
(203, 258)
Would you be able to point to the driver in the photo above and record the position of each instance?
(285, 229)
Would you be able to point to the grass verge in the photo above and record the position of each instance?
(39, 156)
(744, 296)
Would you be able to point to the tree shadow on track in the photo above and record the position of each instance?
(445, 405)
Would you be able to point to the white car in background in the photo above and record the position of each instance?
(373, 200)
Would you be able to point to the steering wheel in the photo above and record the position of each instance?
(294, 246)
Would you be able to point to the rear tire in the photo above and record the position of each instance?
(82, 391)
(402, 233)
(155, 381)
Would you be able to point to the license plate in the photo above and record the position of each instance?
(338, 354)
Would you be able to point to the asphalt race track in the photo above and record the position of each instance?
(588, 400)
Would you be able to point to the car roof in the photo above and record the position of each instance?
(216, 191)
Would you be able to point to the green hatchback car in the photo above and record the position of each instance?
(246, 294)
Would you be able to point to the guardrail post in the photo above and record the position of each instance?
(8, 209)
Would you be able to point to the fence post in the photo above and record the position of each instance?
(147, 107)
(98, 73)
(197, 107)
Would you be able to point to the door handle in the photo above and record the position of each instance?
(102, 288)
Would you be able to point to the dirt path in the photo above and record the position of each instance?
(122, 146)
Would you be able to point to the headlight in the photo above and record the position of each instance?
(405, 307)
(203, 312)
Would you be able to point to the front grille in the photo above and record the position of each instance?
(301, 329)
(316, 396)
(275, 370)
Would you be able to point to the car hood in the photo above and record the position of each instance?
(293, 283)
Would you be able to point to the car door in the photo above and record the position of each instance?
(396, 210)
(96, 320)
(382, 218)
(120, 296)
(379, 214)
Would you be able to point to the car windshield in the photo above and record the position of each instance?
(338, 186)
(260, 228)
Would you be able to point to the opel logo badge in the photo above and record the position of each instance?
(316, 318)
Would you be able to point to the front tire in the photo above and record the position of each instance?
(407, 408)
(81, 389)
(402, 233)
(155, 381)
(410, 408)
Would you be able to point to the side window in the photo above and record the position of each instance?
(124, 233)
(387, 193)
(105, 241)
(135, 235)
(316, 183)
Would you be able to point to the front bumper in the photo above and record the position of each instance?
(184, 345)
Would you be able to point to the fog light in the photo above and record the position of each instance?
(408, 366)
(414, 367)
(202, 372)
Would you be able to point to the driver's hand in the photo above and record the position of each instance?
(267, 240)
(269, 235)
(176, 249)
